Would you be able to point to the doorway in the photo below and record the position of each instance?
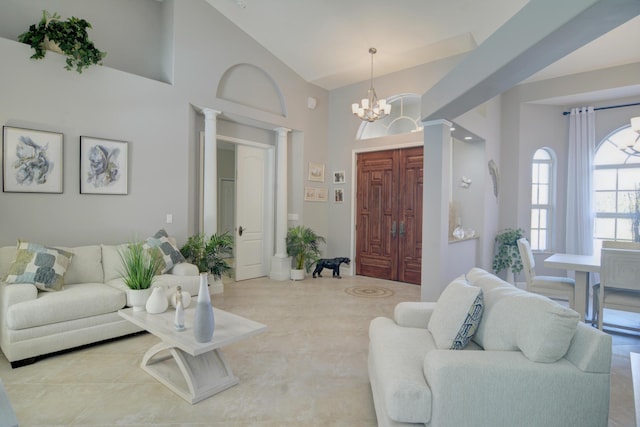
(389, 214)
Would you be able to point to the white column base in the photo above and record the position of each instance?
(280, 268)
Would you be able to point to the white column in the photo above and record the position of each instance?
(435, 213)
(281, 263)
(210, 175)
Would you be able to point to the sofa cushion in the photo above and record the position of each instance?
(86, 266)
(43, 266)
(111, 261)
(457, 314)
(73, 302)
(396, 356)
(170, 254)
(514, 319)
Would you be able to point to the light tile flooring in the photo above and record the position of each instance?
(308, 369)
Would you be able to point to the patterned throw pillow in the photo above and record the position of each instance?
(41, 265)
(457, 315)
(170, 254)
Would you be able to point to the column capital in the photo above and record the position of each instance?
(210, 113)
(282, 130)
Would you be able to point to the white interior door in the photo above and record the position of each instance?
(251, 214)
(226, 205)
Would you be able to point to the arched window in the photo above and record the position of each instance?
(404, 118)
(616, 181)
(543, 168)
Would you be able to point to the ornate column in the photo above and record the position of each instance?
(210, 175)
(281, 263)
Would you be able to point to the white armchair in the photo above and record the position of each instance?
(550, 286)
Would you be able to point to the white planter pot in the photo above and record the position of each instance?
(137, 298)
(215, 284)
(297, 274)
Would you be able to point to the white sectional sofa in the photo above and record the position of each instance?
(35, 322)
(528, 361)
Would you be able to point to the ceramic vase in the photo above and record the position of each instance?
(157, 302)
(137, 298)
(203, 322)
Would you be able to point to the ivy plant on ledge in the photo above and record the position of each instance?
(68, 37)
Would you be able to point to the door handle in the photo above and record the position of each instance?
(393, 230)
(401, 228)
(240, 230)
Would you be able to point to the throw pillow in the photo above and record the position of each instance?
(41, 265)
(456, 315)
(170, 254)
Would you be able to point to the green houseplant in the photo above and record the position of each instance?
(507, 255)
(210, 254)
(303, 245)
(68, 37)
(139, 269)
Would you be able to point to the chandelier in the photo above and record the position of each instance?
(633, 147)
(372, 108)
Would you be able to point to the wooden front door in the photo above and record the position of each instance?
(389, 214)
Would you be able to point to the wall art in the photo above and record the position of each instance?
(103, 166)
(338, 177)
(338, 195)
(322, 194)
(32, 161)
(310, 194)
(316, 172)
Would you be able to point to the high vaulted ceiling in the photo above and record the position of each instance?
(327, 41)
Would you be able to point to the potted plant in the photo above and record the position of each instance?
(303, 245)
(140, 268)
(210, 255)
(507, 255)
(68, 37)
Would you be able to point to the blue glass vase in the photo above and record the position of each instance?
(203, 322)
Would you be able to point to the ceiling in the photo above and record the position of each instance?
(327, 41)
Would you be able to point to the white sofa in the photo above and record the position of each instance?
(84, 311)
(530, 362)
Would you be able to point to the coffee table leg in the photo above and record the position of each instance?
(194, 378)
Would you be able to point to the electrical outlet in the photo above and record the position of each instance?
(169, 218)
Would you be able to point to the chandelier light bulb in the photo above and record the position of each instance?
(371, 108)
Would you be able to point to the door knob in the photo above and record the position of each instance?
(393, 229)
(401, 228)
(240, 230)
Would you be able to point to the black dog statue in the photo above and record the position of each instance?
(333, 263)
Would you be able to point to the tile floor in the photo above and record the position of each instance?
(308, 369)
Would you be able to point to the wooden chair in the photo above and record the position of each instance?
(550, 286)
(619, 287)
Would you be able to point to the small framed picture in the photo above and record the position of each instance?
(316, 172)
(310, 194)
(338, 195)
(103, 166)
(338, 177)
(322, 194)
(32, 161)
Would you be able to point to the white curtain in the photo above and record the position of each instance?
(580, 213)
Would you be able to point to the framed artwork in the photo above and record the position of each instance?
(338, 177)
(316, 172)
(338, 195)
(32, 161)
(103, 166)
(309, 194)
(322, 194)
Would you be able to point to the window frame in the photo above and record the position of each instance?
(549, 206)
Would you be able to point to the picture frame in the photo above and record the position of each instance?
(316, 172)
(103, 166)
(32, 161)
(338, 195)
(322, 194)
(338, 177)
(310, 194)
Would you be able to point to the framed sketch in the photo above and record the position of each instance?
(338, 177)
(316, 172)
(310, 194)
(322, 194)
(338, 195)
(103, 166)
(32, 161)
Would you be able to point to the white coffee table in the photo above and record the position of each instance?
(193, 370)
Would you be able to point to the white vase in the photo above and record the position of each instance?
(216, 286)
(157, 302)
(297, 274)
(137, 298)
(203, 321)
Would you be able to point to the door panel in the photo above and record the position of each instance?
(389, 214)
